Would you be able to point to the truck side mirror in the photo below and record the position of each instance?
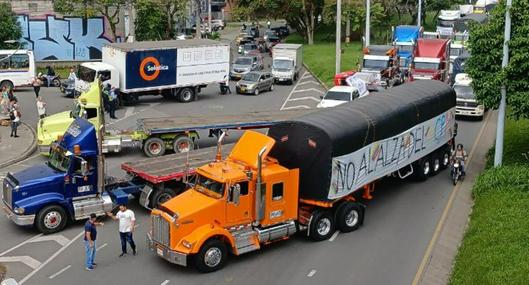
(84, 168)
(235, 194)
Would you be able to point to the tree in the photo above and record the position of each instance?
(484, 66)
(148, 24)
(90, 8)
(173, 10)
(9, 27)
(356, 13)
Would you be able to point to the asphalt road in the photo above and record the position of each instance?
(400, 220)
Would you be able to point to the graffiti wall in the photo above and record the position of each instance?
(68, 38)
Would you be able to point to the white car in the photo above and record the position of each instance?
(338, 95)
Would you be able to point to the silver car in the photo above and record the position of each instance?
(255, 82)
(245, 64)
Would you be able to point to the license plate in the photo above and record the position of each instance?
(282, 79)
(243, 89)
(159, 251)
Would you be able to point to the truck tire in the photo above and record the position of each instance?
(444, 154)
(183, 144)
(51, 219)
(349, 217)
(154, 147)
(160, 196)
(422, 168)
(321, 225)
(186, 95)
(435, 163)
(211, 257)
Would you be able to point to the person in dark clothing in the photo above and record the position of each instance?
(36, 83)
(90, 236)
(106, 95)
(112, 103)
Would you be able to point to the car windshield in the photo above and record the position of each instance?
(464, 91)
(456, 51)
(243, 61)
(209, 186)
(376, 64)
(426, 65)
(86, 74)
(58, 160)
(252, 77)
(337, 95)
(282, 64)
(408, 48)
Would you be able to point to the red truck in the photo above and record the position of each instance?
(431, 59)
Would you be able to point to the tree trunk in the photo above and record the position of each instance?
(198, 34)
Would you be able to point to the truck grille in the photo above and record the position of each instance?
(7, 193)
(466, 104)
(160, 230)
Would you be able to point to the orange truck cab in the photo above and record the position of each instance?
(305, 175)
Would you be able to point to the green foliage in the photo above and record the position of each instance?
(486, 43)
(9, 27)
(495, 248)
(356, 13)
(149, 20)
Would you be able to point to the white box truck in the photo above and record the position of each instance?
(176, 68)
(287, 60)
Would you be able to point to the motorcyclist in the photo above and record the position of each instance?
(459, 154)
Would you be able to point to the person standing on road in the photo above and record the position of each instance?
(36, 83)
(14, 115)
(90, 236)
(126, 228)
(41, 107)
(5, 100)
(72, 76)
(112, 100)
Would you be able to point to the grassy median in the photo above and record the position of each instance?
(495, 249)
(321, 56)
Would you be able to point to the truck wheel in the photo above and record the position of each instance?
(186, 95)
(154, 147)
(211, 257)
(183, 144)
(435, 163)
(422, 169)
(445, 157)
(51, 219)
(161, 196)
(349, 217)
(321, 226)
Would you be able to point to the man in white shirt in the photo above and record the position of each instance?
(41, 107)
(126, 228)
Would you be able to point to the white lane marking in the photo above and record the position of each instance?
(27, 260)
(129, 112)
(333, 237)
(311, 273)
(20, 244)
(310, 89)
(50, 259)
(165, 282)
(102, 246)
(297, 107)
(305, 98)
(306, 75)
(60, 239)
(307, 82)
(291, 92)
(59, 272)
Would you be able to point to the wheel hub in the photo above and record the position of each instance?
(52, 220)
(351, 219)
(163, 198)
(213, 257)
(426, 168)
(155, 148)
(324, 226)
(183, 147)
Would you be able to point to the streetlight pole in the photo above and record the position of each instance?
(338, 35)
(368, 21)
(348, 25)
(420, 14)
(498, 152)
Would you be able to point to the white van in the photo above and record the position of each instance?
(17, 68)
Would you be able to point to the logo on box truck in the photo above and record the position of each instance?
(150, 68)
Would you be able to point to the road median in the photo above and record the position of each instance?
(14, 150)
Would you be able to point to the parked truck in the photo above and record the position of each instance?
(305, 175)
(466, 104)
(383, 60)
(431, 59)
(446, 21)
(174, 69)
(287, 61)
(405, 40)
(155, 136)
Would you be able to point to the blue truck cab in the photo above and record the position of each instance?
(69, 186)
(405, 40)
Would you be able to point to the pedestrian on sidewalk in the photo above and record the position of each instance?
(126, 228)
(5, 100)
(36, 83)
(41, 107)
(90, 236)
(14, 115)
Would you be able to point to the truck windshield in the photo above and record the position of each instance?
(86, 74)
(243, 61)
(209, 187)
(445, 23)
(408, 48)
(282, 64)
(464, 91)
(336, 95)
(426, 65)
(456, 51)
(375, 64)
(58, 160)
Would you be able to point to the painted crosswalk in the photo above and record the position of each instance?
(305, 94)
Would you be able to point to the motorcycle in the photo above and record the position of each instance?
(457, 171)
(55, 80)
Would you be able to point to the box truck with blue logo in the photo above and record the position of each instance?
(173, 69)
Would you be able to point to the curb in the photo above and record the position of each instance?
(26, 153)
(316, 77)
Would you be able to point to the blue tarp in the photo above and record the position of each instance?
(406, 33)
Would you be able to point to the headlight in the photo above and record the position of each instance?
(481, 107)
(187, 244)
(251, 86)
(19, 211)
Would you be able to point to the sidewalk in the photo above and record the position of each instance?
(13, 150)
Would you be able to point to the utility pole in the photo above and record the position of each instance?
(368, 21)
(338, 35)
(209, 16)
(420, 14)
(498, 152)
(198, 33)
(348, 25)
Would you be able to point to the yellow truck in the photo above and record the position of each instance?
(305, 175)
